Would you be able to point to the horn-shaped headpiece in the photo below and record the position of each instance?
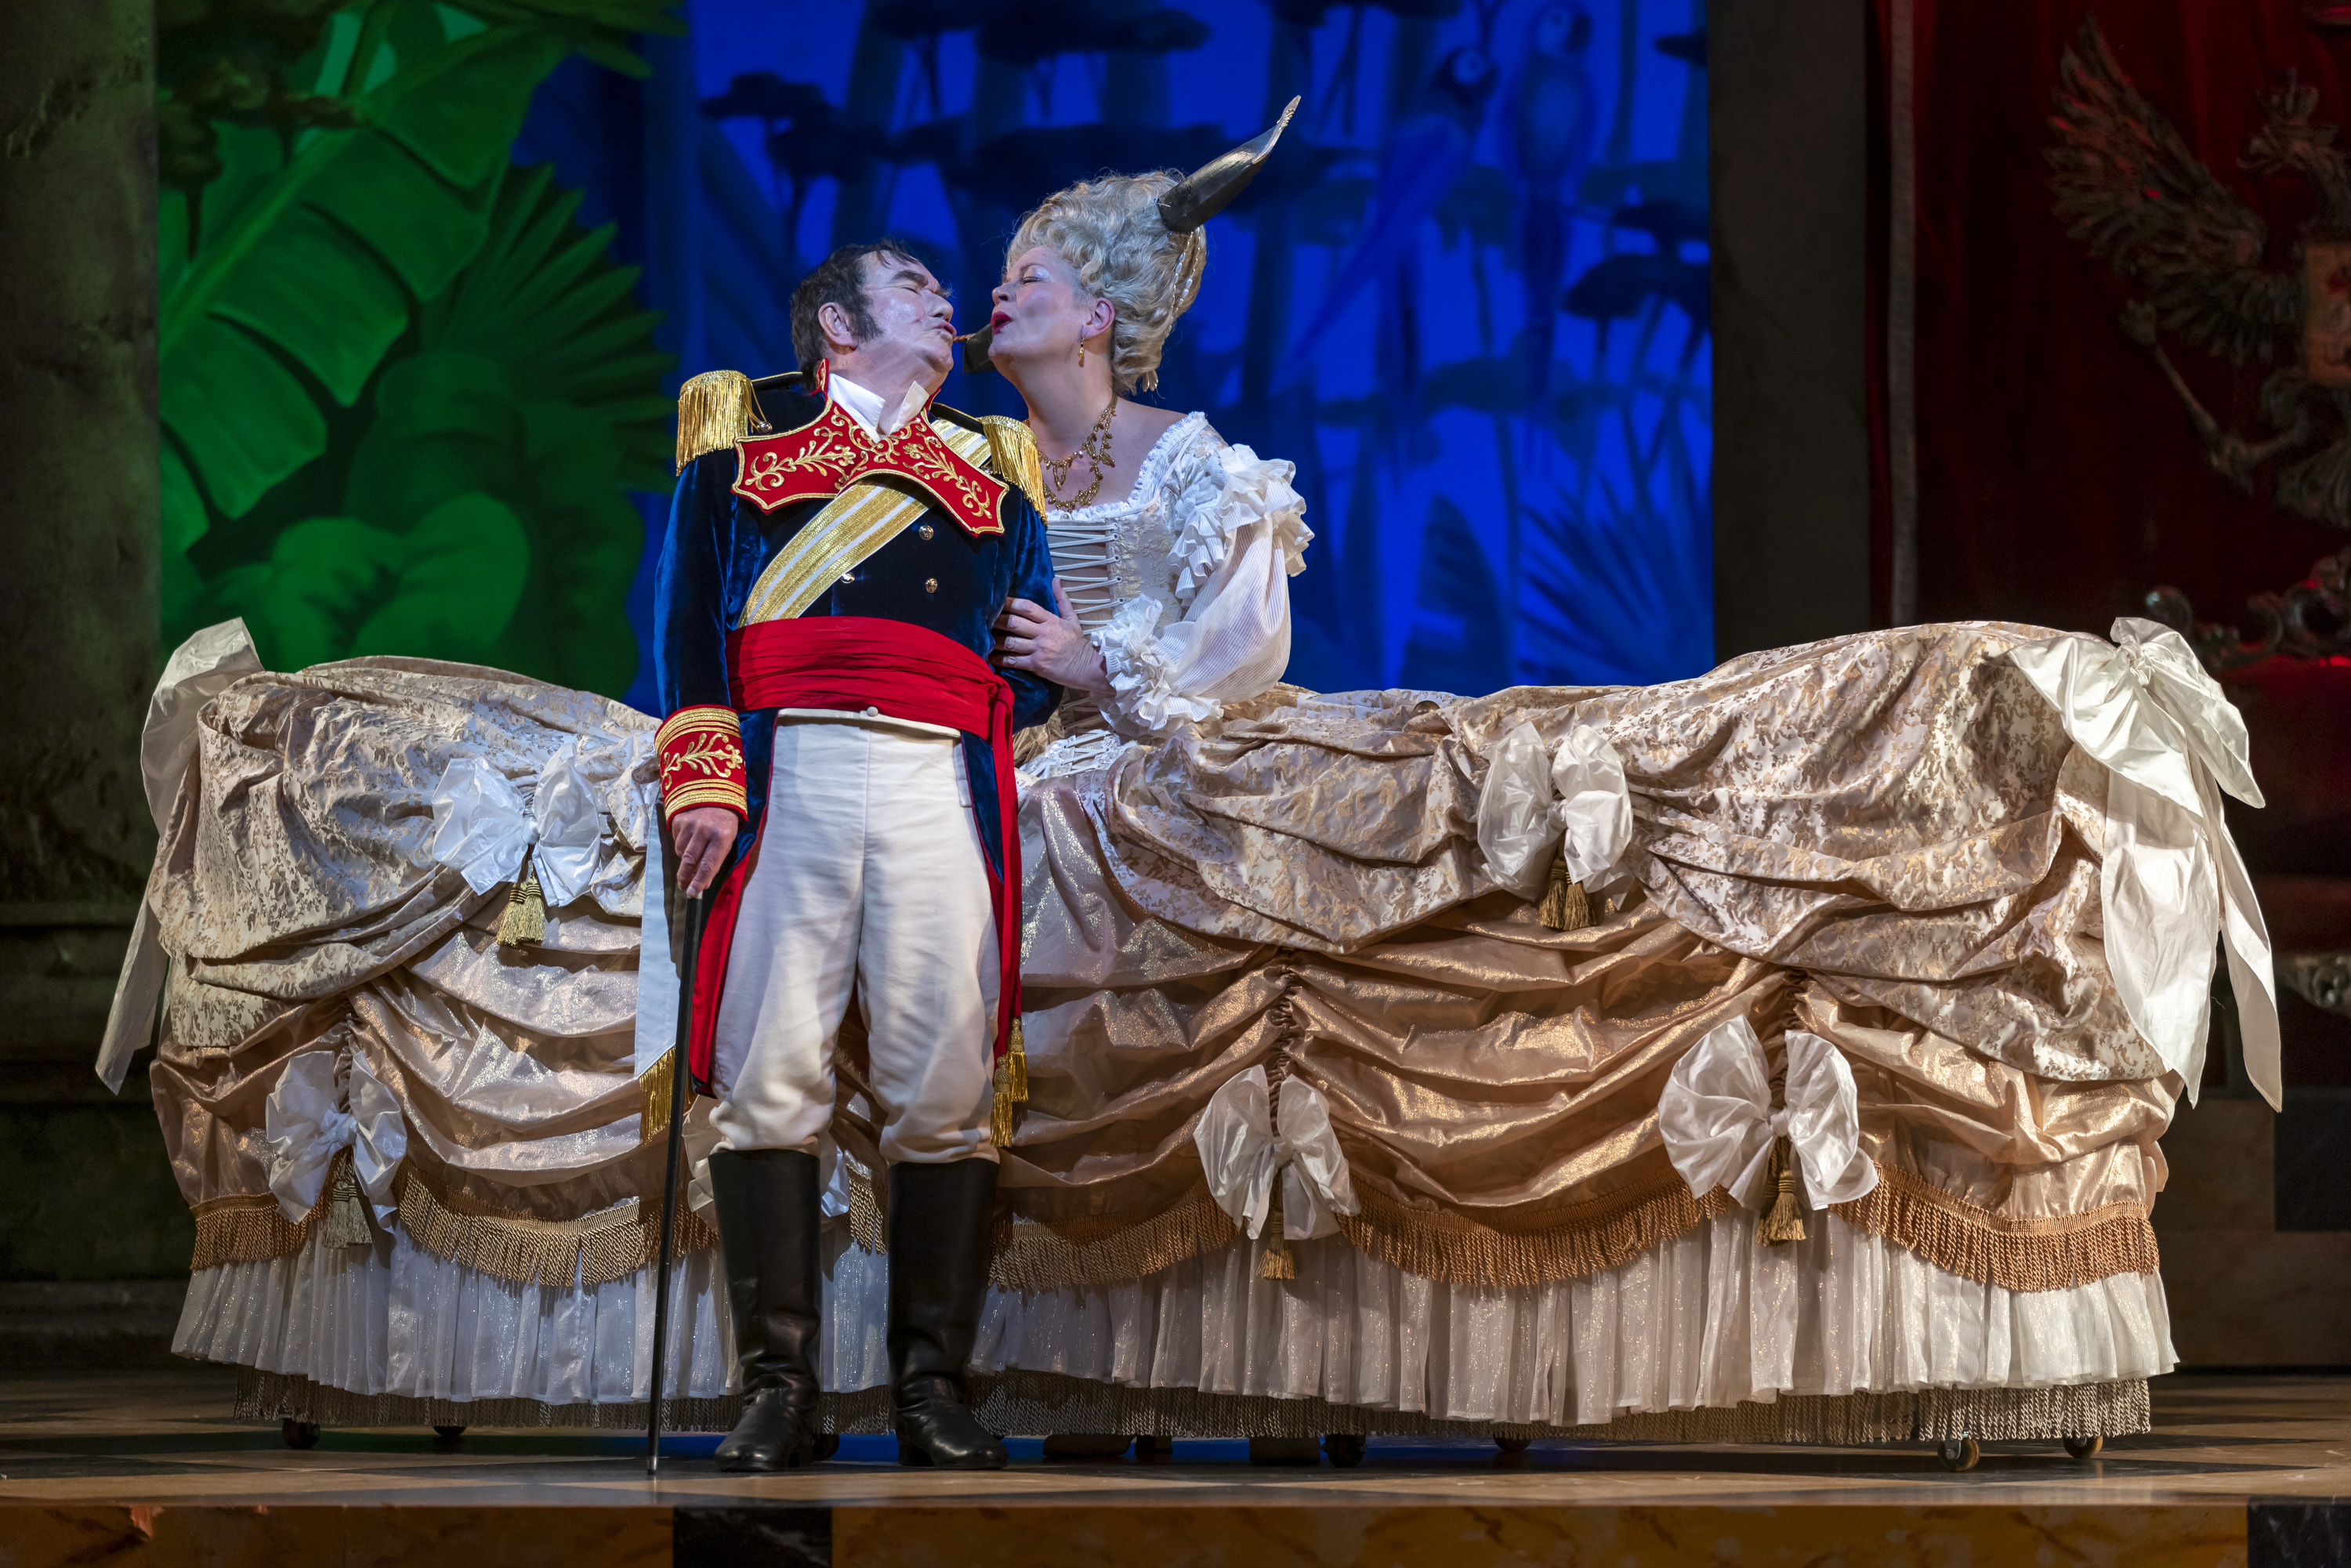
(1190, 203)
(1210, 188)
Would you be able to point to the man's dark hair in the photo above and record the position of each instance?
(838, 279)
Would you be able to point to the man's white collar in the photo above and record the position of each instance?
(864, 406)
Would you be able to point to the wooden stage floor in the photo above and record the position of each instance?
(145, 1468)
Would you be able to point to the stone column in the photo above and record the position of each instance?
(85, 1191)
(78, 479)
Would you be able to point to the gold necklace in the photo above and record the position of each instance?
(1096, 450)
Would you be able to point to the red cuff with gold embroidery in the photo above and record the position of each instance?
(702, 760)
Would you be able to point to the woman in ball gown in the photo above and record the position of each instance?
(1779, 1054)
(1344, 1116)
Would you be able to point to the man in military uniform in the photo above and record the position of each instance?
(837, 762)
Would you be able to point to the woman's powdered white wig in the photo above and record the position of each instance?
(1109, 233)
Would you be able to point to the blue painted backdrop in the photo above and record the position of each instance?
(1468, 296)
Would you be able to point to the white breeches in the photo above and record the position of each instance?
(869, 877)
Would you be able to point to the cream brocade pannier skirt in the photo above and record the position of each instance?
(1884, 840)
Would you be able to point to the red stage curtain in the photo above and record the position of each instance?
(2059, 476)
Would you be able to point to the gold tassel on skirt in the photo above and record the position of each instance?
(653, 1084)
(1278, 1264)
(715, 410)
(1784, 1220)
(347, 1217)
(1564, 907)
(525, 921)
(1011, 1089)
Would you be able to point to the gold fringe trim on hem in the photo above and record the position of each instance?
(1110, 1251)
(1032, 1404)
(246, 1228)
(1972, 1241)
(1060, 1255)
(276, 1397)
(869, 1226)
(595, 1250)
(1568, 1244)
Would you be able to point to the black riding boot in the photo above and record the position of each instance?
(767, 1215)
(942, 1219)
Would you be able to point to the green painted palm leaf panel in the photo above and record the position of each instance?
(545, 302)
(243, 418)
(323, 266)
(336, 586)
(184, 522)
(621, 16)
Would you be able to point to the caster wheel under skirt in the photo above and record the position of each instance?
(1097, 1445)
(1512, 1445)
(448, 1434)
(299, 1434)
(1959, 1453)
(1344, 1450)
(1284, 1451)
(2085, 1448)
(827, 1444)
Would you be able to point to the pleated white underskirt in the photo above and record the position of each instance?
(1708, 1319)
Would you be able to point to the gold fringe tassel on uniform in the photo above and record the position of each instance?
(1011, 1089)
(715, 410)
(654, 1086)
(1014, 446)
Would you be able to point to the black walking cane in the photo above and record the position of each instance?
(696, 911)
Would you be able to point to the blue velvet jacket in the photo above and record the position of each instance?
(933, 574)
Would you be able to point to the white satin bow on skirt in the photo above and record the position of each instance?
(484, 831)
(1572, 802)
(1243, 1154)
(309, 1119)
(1718, 1120)
(2171, 879)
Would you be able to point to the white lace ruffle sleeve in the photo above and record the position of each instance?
(1240, 536)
